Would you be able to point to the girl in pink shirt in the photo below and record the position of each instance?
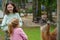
(15, 32)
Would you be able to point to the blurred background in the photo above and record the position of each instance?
(30, 12)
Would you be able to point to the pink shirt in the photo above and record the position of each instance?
(18, 34)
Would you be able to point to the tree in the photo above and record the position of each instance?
(36, 9)
(17, 2)
(49, 9)
(58, 19)
(3, 4)
(39, 8)
(50, 6)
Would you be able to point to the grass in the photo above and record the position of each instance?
(52, 28)
(33, 33)
(1, 34)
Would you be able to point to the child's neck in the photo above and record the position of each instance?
(17, 27)
(11, 11)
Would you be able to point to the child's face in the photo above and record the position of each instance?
(10, 8)
(44, 16)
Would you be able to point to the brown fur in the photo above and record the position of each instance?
(47, 35)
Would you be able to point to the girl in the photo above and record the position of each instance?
(10, 13)
(15, 32)
(44, 19)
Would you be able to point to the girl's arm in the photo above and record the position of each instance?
(20, 20)
(4, 21)
(22, 34)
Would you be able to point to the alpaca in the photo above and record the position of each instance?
(46, 34)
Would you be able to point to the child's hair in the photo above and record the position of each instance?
(13, 24)
(44, 13)
(14, 9)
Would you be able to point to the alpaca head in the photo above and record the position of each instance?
(45, 27)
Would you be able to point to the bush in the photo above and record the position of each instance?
(29, 10)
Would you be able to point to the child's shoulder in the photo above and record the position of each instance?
(5, 16)
(17, 13)
(18, 29)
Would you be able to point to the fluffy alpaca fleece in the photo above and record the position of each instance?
(46, 34)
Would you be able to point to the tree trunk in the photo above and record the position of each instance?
(3, 4)
(34, 10)
(39, 8)
(58, 19)
(49, 10)
(49, 13)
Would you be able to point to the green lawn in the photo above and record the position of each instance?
(33, 33)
